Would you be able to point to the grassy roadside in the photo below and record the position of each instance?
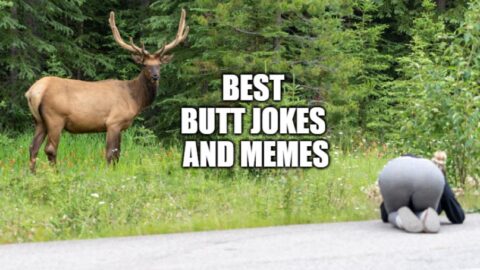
(149, 193)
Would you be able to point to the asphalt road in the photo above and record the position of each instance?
(350, 245)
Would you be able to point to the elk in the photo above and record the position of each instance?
(102, 106)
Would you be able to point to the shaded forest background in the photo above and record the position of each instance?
(399, 73)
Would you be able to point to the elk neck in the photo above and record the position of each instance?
(143, 90)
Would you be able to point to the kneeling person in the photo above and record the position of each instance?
(415, 191)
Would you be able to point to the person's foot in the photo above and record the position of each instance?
(408, 221)
(430, 221)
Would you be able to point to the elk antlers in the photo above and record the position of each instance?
(181, 36)
(116, 35)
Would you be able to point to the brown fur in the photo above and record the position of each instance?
(82, 107)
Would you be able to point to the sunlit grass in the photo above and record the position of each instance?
(148, 192)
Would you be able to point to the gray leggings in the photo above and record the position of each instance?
(407, 180)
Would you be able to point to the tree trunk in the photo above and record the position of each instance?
(79, 70)
(13, 51)
(278, 22)
(441, 5)
(144, 3)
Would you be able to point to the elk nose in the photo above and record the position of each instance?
(155, 77)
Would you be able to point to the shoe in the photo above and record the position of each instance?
(409, 221)
(430, 221)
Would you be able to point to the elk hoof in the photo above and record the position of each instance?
(32, 165)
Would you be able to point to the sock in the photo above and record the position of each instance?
(394, 219)
(421, 215)
(399, 222)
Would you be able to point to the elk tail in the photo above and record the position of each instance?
(34, 97)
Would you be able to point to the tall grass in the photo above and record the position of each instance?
(148, 191)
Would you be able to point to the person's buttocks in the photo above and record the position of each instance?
(415, 191)
(417, 182)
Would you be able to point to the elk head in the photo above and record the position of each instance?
(151, 62)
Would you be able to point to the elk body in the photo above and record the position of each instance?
(85, 107)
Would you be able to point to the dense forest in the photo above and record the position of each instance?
(399, 73)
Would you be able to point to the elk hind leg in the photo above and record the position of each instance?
(38, 138)
(54, 132)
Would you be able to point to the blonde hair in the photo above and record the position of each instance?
(440, 159)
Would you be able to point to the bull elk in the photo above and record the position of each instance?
(86, 107)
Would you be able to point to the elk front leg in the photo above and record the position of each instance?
(114, 136)
(37, 141)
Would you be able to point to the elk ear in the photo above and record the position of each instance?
(138, 59)
(166, 58)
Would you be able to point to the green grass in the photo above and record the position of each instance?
(148, 192)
